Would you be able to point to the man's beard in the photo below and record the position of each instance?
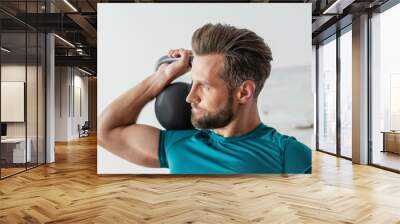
(216, 119)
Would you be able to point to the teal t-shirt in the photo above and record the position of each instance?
(262, 150)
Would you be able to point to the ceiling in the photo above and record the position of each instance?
(76, 22)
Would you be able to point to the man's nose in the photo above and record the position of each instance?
(191, 97)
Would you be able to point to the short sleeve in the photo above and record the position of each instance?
(297, 157)
(167, 140)
(162, 155)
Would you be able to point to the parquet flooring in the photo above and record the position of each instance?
(70, 191)
(10, 171)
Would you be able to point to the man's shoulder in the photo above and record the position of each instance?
(296, 155)
(272, 135)
(283, 141)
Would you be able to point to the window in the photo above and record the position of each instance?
(327, 96)
(346, 93)
(385, 88)
(22, 66)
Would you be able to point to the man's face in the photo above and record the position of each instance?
(211, 101)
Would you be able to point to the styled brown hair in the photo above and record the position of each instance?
(246, 55)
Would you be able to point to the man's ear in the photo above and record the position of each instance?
(246, 91)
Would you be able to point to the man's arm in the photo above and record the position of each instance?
(118, 131)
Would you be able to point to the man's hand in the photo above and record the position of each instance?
(177, 68)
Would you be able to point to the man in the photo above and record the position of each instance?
(229, 68)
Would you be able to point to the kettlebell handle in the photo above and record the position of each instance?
(166, 59)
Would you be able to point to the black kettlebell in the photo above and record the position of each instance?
(172, 110)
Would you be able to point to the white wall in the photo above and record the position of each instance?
(61, 103)
(131, 37)
(67, 117)
(81, 83)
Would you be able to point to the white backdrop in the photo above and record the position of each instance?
(131, 37)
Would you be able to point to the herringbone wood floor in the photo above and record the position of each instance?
(70, 191)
